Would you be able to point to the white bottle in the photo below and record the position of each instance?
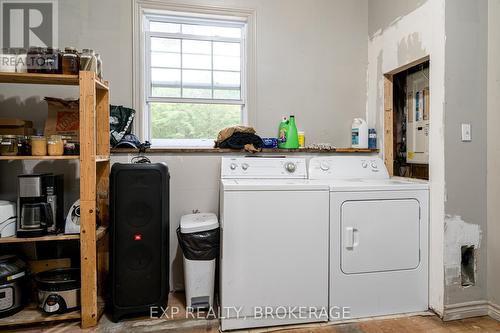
(359, 133)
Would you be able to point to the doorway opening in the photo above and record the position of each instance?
(407, 121)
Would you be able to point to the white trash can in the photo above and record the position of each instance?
(198, 236)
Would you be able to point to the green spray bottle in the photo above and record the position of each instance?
(282, 129)
(292, 135)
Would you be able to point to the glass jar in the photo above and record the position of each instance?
(8, 146)
(70, 61)
(21, 60)
(23, 145)
(99, 66)
(88, 61)
(51, 58)
(55, 145)
(7, 60)
(38, 146)
(32, 59)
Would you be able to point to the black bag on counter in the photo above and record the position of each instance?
(120, 122)
(203, 245)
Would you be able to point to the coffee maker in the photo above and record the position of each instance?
(40, 205)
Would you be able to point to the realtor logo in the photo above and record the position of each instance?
(28, 23)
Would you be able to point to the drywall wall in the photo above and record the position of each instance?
(493, 180)
(401, 32)
(311, 61)
(466, 96)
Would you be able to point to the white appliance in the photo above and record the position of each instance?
(274, 243)
(7, 219)
(378, 237)
(199, 275)
(72, 225)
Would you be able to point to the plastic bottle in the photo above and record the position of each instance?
(292, 135)
(282, 132)
(372, 138)
(359, 133)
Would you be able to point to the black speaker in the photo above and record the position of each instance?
(139, 238)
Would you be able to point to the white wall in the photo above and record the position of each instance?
(466, 63)
(493, 180)
(401, 32)
(311, 62)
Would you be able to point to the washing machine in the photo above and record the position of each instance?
(378, 238)
(274, 243)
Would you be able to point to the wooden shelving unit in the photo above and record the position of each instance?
(94, 187)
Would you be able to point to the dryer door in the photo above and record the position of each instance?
(379, 235)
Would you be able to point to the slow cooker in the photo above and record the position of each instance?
(58, 290)
(13, 277)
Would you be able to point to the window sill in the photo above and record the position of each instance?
(206, 150)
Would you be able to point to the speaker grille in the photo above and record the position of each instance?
(139, 235)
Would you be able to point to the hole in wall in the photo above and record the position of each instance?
(468, 266)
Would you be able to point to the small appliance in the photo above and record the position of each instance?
(58, 290)
(72, 225)
(40, 204)
(7, 219)
(13, 277)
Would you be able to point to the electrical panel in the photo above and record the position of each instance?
(418, 112)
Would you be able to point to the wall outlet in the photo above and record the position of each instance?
(466, 133)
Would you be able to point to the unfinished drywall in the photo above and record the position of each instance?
(493, 183)
(466, 97)
(311, 62)
(402, 32)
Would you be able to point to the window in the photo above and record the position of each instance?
(194, 78)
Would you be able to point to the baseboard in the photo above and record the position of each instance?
(466, 310)
(494, 311)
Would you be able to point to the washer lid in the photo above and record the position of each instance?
(198, 222)
(273, 185)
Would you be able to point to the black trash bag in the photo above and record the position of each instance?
(203, 245)
(120, 122)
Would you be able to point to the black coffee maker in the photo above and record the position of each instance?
(40, 205)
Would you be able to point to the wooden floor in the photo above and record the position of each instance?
(425, 323)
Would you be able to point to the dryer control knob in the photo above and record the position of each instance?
(233, 166)
(245, 166)
(324, 166)
(290, 167)
(364, 165)
(374, 165)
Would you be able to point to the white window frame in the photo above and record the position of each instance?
(144, 11)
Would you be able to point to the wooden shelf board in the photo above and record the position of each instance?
(50, 79)
(103, 85)
(44, 158)
(102, 158)
(31, 314)
(101, 231)
(34, 78)
(235, 151)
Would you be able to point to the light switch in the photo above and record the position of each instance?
(466, 133)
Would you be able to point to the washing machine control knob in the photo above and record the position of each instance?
(324, 166)
(364, 165)
(374, 165)
(290, 167)
(233, 166)
(245, 166)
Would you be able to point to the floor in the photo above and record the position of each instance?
(205, 323)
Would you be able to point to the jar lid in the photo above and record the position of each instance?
(70, 49)
(55, 137)
(37, 137)
(9, 136)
